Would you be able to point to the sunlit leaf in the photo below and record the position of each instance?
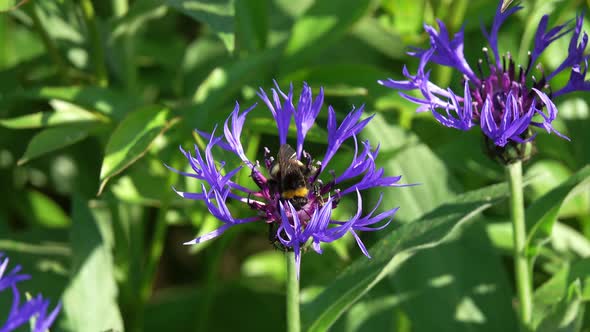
(132, 139)
(567, 314)
(90, 299)
(111, 103)
(218, 14)
(393, 250)
(64, 113)
(319, 27)
(51, 139)
(542, 214)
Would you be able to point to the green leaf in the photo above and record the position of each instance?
(90, 299)
(223, 83)
(552, 174)
(370, 31)
(265, 124)
(436, 283)
(45, 211)
(65, 113)
(320, 27)
(555, 290)
(108, 102)
(266, 264)
(401, 154)
(394, 249)
(542, 214)
(140, 13)
(132, 139)
(565, 316)
(52, 139)
(408, 16)
(258, 310)
(218, 14)
(251, 24)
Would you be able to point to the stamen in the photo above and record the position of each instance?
(486, 56)
(511, 69)
(479, 69)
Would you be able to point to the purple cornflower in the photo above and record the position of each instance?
(505, 99)
(291, 196)
(35, 308)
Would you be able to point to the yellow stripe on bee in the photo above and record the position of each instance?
(299, 192)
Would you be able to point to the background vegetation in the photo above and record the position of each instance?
(96, 95)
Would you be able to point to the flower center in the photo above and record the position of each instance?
(501, 82)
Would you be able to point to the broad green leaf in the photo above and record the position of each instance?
(369, 31)
(401, 154)
(218, 14)
(8, 4)
(90, 299)
(321, 26)
(567, 315)
(542, 214)
(45, 211)
(452, 304)
(408, 16)
(267, 125)
(52, 139)
(109, 102)
(392, 250)
(252, 21)
(267, 264)
(223, 83)
(132, 139)
(260, 310)
(140, 13)
(64, 113)
(551, 174)
(344, 80)
(458, 285)
(567, 239)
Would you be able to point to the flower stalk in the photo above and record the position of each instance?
(293, 316)
(521, 264)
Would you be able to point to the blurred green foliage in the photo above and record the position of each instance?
(96, 95)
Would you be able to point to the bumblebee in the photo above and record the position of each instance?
(289, 177)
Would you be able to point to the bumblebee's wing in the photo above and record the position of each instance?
(286, 153)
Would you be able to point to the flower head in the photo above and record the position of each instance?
(291, 196)
(35, 308)
(503, 99)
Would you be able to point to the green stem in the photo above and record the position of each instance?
(521, 265)
(155, 253)
(97, 49)
(293, 319)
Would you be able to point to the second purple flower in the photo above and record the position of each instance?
(296, 193)
(502, 98)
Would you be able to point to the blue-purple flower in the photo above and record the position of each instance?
(34, 308)
(505, 100)
(293, 196)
